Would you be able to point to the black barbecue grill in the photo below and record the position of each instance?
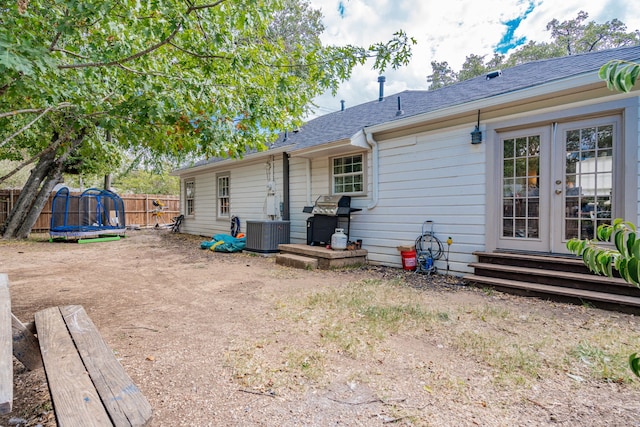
(327, 211)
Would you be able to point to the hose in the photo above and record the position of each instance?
(427, 242)
(235, 226)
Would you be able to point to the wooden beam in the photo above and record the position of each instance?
(75, 400)
(124, 401)
(6, 360)
(25, 345)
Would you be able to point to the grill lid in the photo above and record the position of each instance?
(331, 205)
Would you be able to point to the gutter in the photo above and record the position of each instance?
(374, 168)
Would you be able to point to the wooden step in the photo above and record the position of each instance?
(567, 263)
(586, 281)
(600, 299)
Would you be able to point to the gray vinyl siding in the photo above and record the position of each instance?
(437, 177)
(433, 175)
(248, 191)
(298, 199)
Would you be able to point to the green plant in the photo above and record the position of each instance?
(625, 258)
(620, 75)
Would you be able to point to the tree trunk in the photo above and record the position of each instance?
(107, 182)
(27, 196)
(35, 193)
(54, 178)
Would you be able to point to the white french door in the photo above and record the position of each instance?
(557, 182)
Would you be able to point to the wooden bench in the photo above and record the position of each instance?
(88, 385)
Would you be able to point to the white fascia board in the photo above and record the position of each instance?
(226, 162)
(360, 140)
(357, 140)
(312, 151)
(518, 95)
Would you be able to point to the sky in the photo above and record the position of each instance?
(445, 31)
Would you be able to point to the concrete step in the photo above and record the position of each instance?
(297, 261)
(327, 258)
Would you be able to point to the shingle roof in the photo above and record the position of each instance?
(345, 124)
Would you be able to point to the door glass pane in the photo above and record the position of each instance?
(589, 180)
(521, 185)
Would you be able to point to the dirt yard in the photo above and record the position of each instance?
(218, 339)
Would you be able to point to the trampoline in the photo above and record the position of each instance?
(93, 213)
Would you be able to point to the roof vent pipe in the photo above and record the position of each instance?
(494, 74)
(342, 105)
(400, 110)
(381, 80)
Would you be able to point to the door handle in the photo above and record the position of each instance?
(558, 191)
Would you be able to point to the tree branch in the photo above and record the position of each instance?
(26, 163)
(205, 6)
(147, 50)
(54, 145)
(199, 55)
(55, 49)
(127, 59)
(28, 125)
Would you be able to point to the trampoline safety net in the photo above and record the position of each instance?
(93, 212)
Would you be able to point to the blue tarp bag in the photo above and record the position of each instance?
(225, 243)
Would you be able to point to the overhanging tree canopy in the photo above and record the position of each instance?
(170, 78)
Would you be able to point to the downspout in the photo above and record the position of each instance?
(308, 171)
(286, 214)
(374, 169)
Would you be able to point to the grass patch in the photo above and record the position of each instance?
(605, 361)
(357, 317)
(513, 363)
(264, 367)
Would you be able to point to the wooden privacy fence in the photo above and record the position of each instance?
(139, 209)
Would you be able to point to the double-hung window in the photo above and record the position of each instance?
(190, 196)
(347, 174)
(224, 207)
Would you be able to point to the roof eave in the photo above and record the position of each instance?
(222, 163)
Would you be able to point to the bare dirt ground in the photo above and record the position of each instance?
(217, 339)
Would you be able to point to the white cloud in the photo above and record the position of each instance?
(445, 31)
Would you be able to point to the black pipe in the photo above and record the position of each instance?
(286, 211)
(381, 80)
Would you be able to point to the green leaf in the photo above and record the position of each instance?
(603, 262)
(635, 250)
(634, 364)
(633, 266)
(622, 265)
(619, 242)
(604, 232)
(631, 240)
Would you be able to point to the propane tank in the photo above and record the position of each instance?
(339, 240)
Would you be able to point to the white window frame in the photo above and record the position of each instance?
(223, 195)
(190, 197)
(362, 173)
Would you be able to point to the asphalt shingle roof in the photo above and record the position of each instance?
(344, 124)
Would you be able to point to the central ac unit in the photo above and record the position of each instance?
(265, 236)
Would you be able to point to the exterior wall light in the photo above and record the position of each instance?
(476, 135)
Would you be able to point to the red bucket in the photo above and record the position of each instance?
(409, 261)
